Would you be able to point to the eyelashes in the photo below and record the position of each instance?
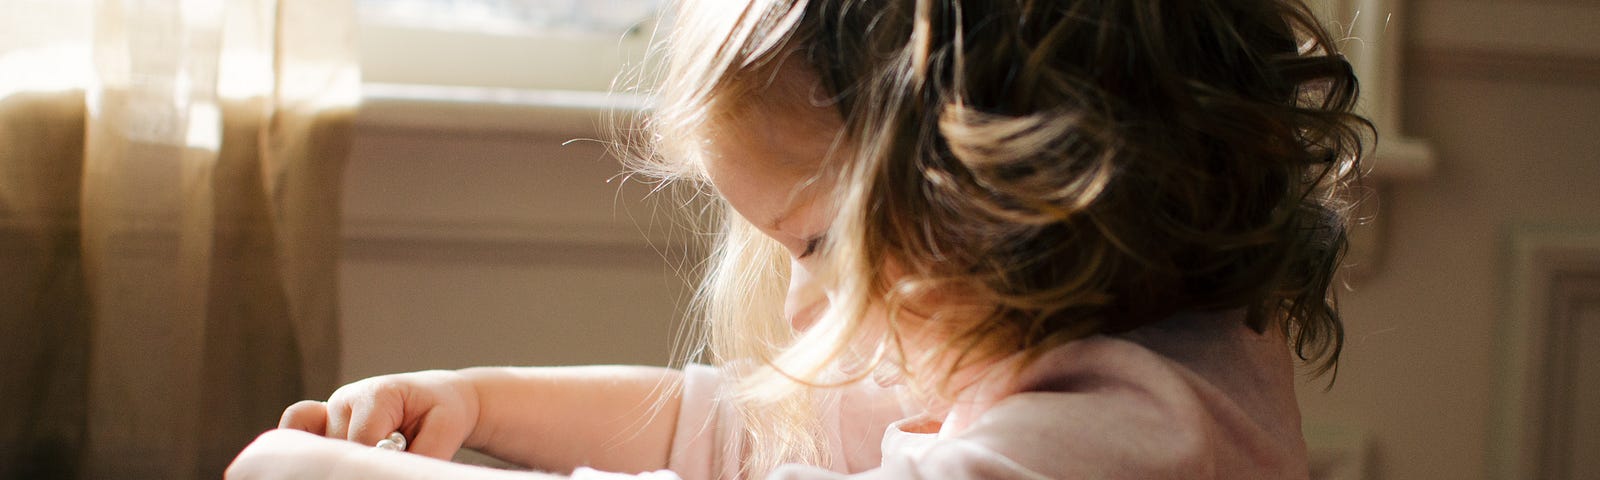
(811, 246)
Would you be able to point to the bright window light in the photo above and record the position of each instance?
(511, 16)
(585, 45)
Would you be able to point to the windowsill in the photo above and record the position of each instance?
(513, 111)
(480, 110)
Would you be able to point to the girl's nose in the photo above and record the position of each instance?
(806, 299)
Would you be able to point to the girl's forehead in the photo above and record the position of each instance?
(774, 144)
(763, 157)
(793, 138)
(785, 121)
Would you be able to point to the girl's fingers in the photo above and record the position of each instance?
(308, 415)
(338, 419)
(368, 411)
(373, 418)
(436, 436)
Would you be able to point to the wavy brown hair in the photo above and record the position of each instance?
(1047, 169)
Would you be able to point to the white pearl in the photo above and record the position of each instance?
(395, 442)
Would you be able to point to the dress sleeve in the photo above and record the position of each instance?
(706, 442)
(586, 473)
(952, 459)
(705, 435)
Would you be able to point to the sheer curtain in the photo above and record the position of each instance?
(169, 191)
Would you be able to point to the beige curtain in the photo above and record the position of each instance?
(169, 191)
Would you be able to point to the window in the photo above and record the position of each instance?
(511, 16)
(521, 44)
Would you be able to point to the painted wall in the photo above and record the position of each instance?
(1508, 93)
(471, 249)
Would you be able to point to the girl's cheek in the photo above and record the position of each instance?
(806, 299)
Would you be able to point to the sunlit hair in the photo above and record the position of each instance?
(1045, 170)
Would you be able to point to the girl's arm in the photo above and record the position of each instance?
(612, 418)
(288, 454)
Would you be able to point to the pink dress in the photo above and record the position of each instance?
(1193, 397)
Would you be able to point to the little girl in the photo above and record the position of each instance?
(962, 239)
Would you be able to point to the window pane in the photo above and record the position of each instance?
(511, 16)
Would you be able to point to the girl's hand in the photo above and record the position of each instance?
(436, 410)
(286, 454)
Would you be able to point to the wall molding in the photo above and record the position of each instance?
(509, 242)
(1544, 265)
(371, 238)
(1506, 65)
(1544, 42)
(494, 111)
(1572, 298)
(1518, 28)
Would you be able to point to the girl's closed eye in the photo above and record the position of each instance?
(811, 246)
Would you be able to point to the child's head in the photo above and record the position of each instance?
(978, 179)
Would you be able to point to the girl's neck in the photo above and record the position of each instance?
(985, 386)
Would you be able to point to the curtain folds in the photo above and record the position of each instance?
(169, 191)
